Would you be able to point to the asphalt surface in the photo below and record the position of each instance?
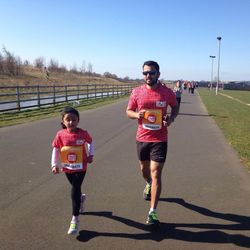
(205, 201)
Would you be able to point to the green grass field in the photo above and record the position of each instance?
(232, 116)
(243, 96)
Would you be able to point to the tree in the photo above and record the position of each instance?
(53, 65)
(10, 64)
(1, 63)
(26, 63)
(83, 68)
(126, 78)
(107, 74)
(74, 69)
(39, 62)
(90, 68)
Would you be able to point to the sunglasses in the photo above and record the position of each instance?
(151, 73)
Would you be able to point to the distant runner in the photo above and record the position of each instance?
(178, 92)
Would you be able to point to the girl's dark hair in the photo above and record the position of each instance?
(152, 63)
(69, 110)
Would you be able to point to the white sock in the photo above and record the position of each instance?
(74, 218)
(152, 210)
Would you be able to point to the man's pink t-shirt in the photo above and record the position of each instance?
(151, 128)
(67, 139)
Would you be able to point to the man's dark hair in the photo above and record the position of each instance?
(152, 63)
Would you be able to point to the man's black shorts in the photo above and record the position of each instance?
(155, 151)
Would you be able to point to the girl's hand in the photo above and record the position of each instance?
(90, 159)
(55, 170)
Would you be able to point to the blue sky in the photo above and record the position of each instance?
(117, 36)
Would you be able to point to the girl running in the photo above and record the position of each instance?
(74, 147)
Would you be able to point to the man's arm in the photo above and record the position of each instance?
(173, 115)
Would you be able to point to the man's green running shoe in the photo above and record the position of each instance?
(152, 219)
(147, 192)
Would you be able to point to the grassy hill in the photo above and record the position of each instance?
(34, 76)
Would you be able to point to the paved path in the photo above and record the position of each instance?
(205, 199)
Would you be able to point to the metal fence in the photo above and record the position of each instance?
(18, 98)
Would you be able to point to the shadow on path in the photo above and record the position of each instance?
(190, 114)
(210, 115)
(212, 233)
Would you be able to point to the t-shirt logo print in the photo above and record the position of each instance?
(152, 118)
(79, 142)
(72, 157)
(161, 104)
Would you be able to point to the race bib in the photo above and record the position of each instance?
(72, 157)
(152, 119)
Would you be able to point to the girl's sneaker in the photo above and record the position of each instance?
(83, 198)
(73, 228)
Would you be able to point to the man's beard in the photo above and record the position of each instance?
(152, 83)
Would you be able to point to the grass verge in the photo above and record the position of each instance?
(14, 118)
(232, 117)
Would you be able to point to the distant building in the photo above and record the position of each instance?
(240, 85)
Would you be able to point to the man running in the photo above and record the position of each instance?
(148, 103)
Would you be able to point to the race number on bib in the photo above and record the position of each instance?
(152, 119)
(71, 157)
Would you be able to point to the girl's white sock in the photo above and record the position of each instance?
(74, 218)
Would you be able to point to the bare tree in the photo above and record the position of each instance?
(39, 62)
(53, 65)
(126, 78)
(18, 65)
(26, 63)
(83, 68)
(1, 63)
(10, 64)
(90, 68)
(63, 68)
(109, 75)
(74, 69)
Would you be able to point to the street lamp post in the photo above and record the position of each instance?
(211, 85)
(218, 77)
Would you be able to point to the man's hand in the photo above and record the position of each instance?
(167, 120)
(141, 113)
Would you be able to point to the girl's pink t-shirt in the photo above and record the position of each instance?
(69, 144)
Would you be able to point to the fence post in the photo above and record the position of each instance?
(66, 93)
(38, 96)
(78, 91)
(18, 98)
(54, 94)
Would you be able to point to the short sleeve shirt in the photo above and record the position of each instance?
(155, 101)
(73, 149)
